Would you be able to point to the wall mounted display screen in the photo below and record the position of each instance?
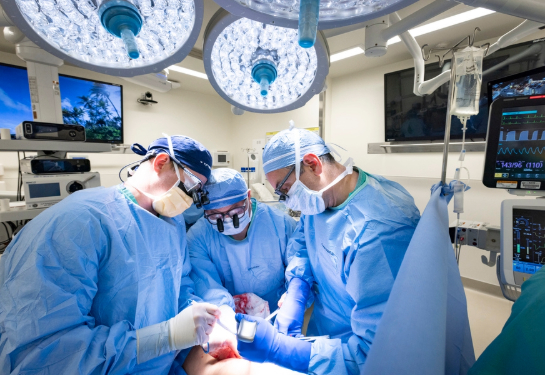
(413, 118)
(98, 106)
(14, 97)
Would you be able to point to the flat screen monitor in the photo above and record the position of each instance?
(523, 239)
(96, 105)
(515, 148)
(527, 83)
(14, 97)
(416, 118)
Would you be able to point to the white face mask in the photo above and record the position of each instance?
(171, 203)
(230, 230)
(300, 197)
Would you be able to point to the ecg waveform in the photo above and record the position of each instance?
(521, 151)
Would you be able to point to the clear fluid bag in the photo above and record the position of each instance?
(468, 65)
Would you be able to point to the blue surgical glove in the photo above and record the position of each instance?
(289, 320)
(270, 346)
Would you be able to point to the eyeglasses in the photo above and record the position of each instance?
(193, 186)
(278, 191)
(234, 215)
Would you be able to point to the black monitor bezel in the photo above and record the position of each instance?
(513, 77)
(493, 135)
(122, 112)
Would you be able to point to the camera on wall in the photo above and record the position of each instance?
(146, 99)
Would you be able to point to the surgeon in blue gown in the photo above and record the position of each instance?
(249, 258)
(347, 250)
(99, 283)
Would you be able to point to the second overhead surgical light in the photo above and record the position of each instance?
(261, 68)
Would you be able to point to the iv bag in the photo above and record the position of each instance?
(468, 65)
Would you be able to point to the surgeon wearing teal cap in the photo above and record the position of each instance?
(99, 283)
(347, 250)
(239, 246)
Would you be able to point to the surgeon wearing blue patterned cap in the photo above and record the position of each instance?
(100, 282)
(239, 246)
(346, 251)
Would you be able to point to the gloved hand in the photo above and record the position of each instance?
(289, 320)
(189, 328)
(223, 343)
(270, 346)
(192, 328)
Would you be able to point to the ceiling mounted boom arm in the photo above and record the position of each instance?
(422, 87)
(529, 9)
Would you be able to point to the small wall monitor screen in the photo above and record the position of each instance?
(528, 240)
(222, 158)
(521, 148)
(44, 190)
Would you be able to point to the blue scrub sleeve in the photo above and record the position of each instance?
(187, 286)
(44, 306)
(298, 263)
(208, 283)
(369, 280)
(297, 257)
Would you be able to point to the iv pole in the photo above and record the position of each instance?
(448, 121)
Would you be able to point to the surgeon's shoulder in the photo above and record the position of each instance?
(88, 202)
(272, 214)
(384, 197)
(199, 231)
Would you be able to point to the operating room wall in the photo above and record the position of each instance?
(252, 126)
(178, 112)
(356, 118)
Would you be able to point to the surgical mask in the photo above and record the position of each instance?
(229, 228)
(171, 203)
(300, 197)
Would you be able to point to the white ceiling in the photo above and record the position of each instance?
(492, 26)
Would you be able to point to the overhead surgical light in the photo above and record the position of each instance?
(310, 15)
(118, 37)
(259, 67)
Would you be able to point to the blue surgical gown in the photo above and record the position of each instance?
(81, 277)
(351, 255)
(223, 267)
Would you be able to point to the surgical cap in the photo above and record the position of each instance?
(280, 151)
(225, 187)
(187, 151)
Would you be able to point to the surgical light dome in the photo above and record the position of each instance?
(117, 37)
(261, 68)
(332, 13)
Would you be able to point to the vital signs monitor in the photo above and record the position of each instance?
(522, 239)
(515, 145)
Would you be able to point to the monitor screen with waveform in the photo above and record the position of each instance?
(521, 147)
(528, 240)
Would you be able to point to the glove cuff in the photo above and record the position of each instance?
(152, 342)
